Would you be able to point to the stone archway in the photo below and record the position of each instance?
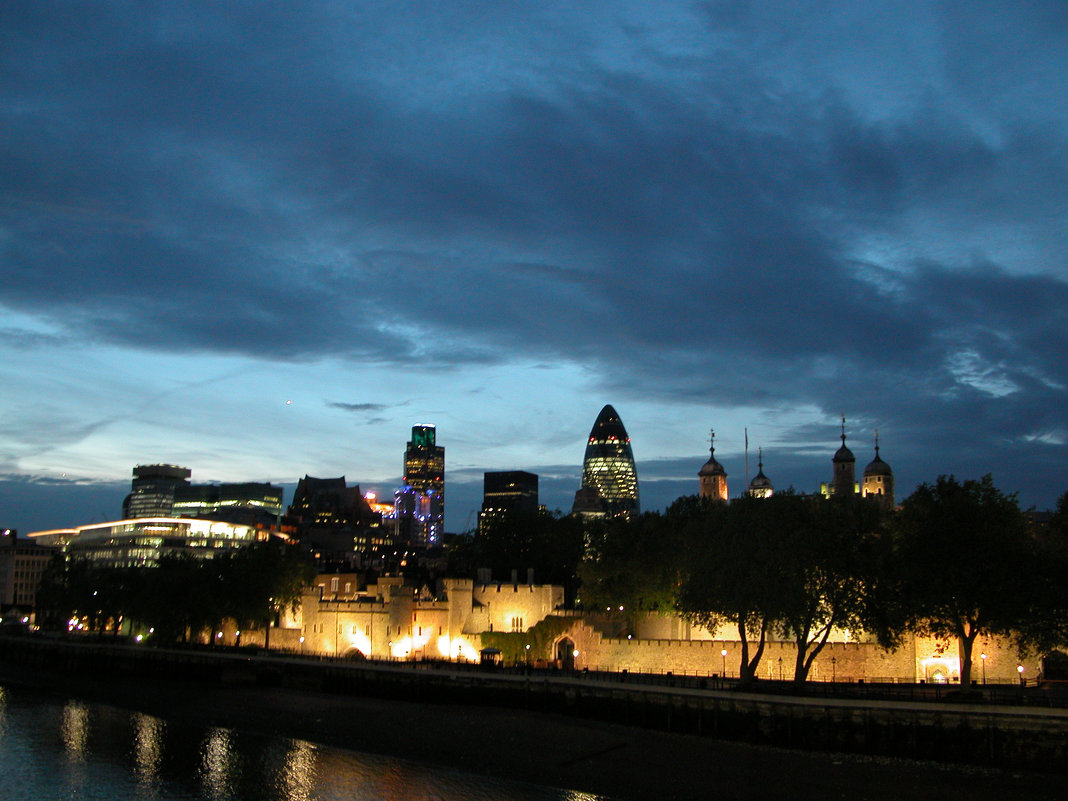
(564, 653)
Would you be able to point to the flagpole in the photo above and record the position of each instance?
(746, 488)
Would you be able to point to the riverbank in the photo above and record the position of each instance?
(617, 761)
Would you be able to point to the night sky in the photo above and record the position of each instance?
(263, 240)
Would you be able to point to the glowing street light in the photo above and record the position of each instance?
(983, 658)
(723, 660)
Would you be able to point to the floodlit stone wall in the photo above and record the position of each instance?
(391, 620)
(917, 659)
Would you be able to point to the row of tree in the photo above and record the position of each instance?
(182, 596)
(958, 560)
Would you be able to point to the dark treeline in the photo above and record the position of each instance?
(958, 560)
(183, 596)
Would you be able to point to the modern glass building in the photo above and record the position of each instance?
(141, 542)
(201, 500)
(506, 491)
(152, 490)
(424, 473)
(608, 468)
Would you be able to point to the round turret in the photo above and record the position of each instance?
(712, 478)
(879, 478)
(761, 486)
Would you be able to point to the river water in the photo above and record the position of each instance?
(55, 749)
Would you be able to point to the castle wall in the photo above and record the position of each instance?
(918, 659)
(512, 607)
(393, 621)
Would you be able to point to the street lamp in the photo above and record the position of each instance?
(834, 669)
(983, 658)
(723, 658)
(780, 668)
(1020, 669)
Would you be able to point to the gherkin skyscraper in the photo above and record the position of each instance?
(609, 480)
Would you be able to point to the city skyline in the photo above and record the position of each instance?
(263, 243)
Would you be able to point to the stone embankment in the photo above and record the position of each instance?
(981, 733)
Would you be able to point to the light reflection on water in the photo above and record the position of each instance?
(148, 750)
(55, 749)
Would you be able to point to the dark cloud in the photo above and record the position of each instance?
(806, 208)
(357, 407)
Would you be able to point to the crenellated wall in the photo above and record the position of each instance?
(391, 620)
(918, 659)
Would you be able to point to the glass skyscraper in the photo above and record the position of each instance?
(609, 479)
(421, 502)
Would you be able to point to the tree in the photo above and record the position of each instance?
(633, 563)
(733, 573)
(1046, 629)
(963, 556)
(825, 549)
(259, 579)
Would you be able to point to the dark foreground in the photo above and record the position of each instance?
(550, 749)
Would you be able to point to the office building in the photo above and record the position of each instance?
(507, 491)
(609, 478)
(420, 503)
(152, 490)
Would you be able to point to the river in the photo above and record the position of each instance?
(56, 749)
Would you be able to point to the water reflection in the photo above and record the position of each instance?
(103, 752)
(148, 749)
(75, 729)
(298, 773)
(217, 765)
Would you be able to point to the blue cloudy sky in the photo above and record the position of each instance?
(262, 240)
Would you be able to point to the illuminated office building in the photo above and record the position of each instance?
(609, 478)
(507, 491)
(152, 490)
(238, 503)
(420, 504)
(144, 541)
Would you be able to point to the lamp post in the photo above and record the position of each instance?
(982, 657)
(723, 658)
(834, 669)
(780, 668)
(1020, 669)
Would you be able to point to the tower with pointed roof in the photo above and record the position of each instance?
(760, 486)
(843, 482)
(712, 478)
(879, 479)
(608, 471)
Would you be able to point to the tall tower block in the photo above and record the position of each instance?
(424, 472)
(608, 468)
